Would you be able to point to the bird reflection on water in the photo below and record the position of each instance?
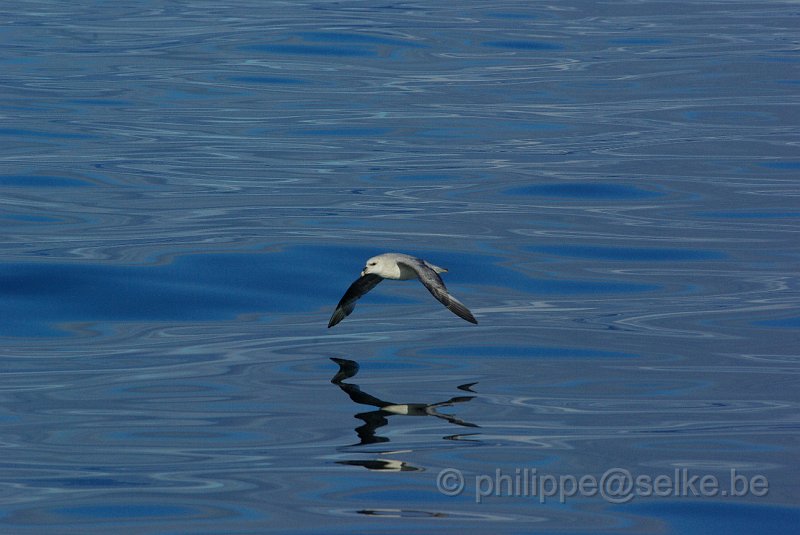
(378, 418)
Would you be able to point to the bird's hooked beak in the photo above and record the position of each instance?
(363, 272)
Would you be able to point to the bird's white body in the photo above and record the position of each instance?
(387, 266)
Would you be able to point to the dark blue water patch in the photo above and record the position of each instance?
(523, 45)
(391, 366)
(745, 214)
(116, 103)
(88, 482)
(175, 434)
(268, 80)
(42, 181)
(31, 218)
(583, 190)
(34, 296)
(730, 117)
(629, 254)
(527, 352)
(639, 41)
(781, 165)
(511, 15)
(347, 132)
(426, 177)
(537, 127)
(346, 37)
(707, 517)
(449, 133)
(583, 287)
(642, 389)
(719, 445)
(785, 323)
(21, 132)
(311, 50)
(128, 511)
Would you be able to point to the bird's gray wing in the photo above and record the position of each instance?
(348, 302)
(433, 282)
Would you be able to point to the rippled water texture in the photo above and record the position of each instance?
(188, 188)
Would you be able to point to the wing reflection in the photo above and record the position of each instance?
(385, 409)
(382, 465)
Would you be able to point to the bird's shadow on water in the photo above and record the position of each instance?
(375, 419)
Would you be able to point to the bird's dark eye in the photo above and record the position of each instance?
(372, 263)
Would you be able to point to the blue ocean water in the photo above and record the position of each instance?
(188, 188)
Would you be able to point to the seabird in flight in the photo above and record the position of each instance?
(398, 266)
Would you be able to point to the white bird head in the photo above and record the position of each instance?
(374, 265)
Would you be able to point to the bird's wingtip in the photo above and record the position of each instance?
(338, 315)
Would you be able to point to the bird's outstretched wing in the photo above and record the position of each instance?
(348, 302)
(433, 282)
